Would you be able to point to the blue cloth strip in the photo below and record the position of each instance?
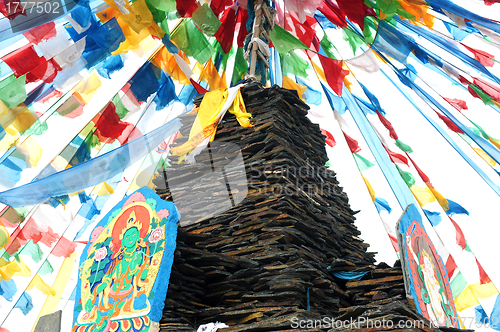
(335, 102)
(443, 133)
(312, 96)
(460, 11)
(349, 275)
(398, 186)
(89, 173)
(483, 144)
(448, 46)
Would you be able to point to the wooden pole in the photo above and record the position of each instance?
(256, 32)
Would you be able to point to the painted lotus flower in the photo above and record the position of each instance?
(155, 235)
(100, 254)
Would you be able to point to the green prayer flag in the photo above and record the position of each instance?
(352, 38)
(192, 41)
(487, 100)
(458, 285)
(163, 5)
(389, 8)
(38, 128)
(284, 41)
(328, 47)
(164, 27)
(240, 66)
(92, 141)
(363, 163)
(403, 147)
(33, 250)
(205, 19)
(370, 30)
(481, 130)
(407, 177)
(158, 15)
(218, 50)
(294, 64)
(120, 109)
(328, 164)
(13, 91)
(46, 268)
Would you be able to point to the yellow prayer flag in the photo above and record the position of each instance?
(9, 269)
(103, 189)
(239, 110)
(166, 62)
(288, 83)
(470, 295)
(211, 76)
(87, 88)
(31, 151)
(206, 121)
(423, 195)
(495, 143)
(319, 71)
(3, 109)
(440, 198)
(4, 235)
(15, 122)
(419, 9)
(59, 285)
(370, 188)
(486, 157)
(41, 285)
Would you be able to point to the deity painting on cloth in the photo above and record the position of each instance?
(118, 288)
(426, 279)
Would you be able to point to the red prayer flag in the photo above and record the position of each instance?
(186, 8)
(302, 31)
(354, 10)
(450, 123)
(23, 60)
(396, 157)
(473, 93)
(459, 104)
(64, 248)
(218, 6)
(463, 80)
(334, 73)
(46, 71)
(483, 276)
(394, 242)
(11, 8)
(225, 34)
(242, 32)
(329, 138)
(388, 125)
(422, 175)
(42, 32)
(109, 126)
(450, 266)
(333, 14)
(490, 89)
(353, 144)
(485, 58)
(198, 87)
(459, 235)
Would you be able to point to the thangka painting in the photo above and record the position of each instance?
(119, 288)
(426, 279)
